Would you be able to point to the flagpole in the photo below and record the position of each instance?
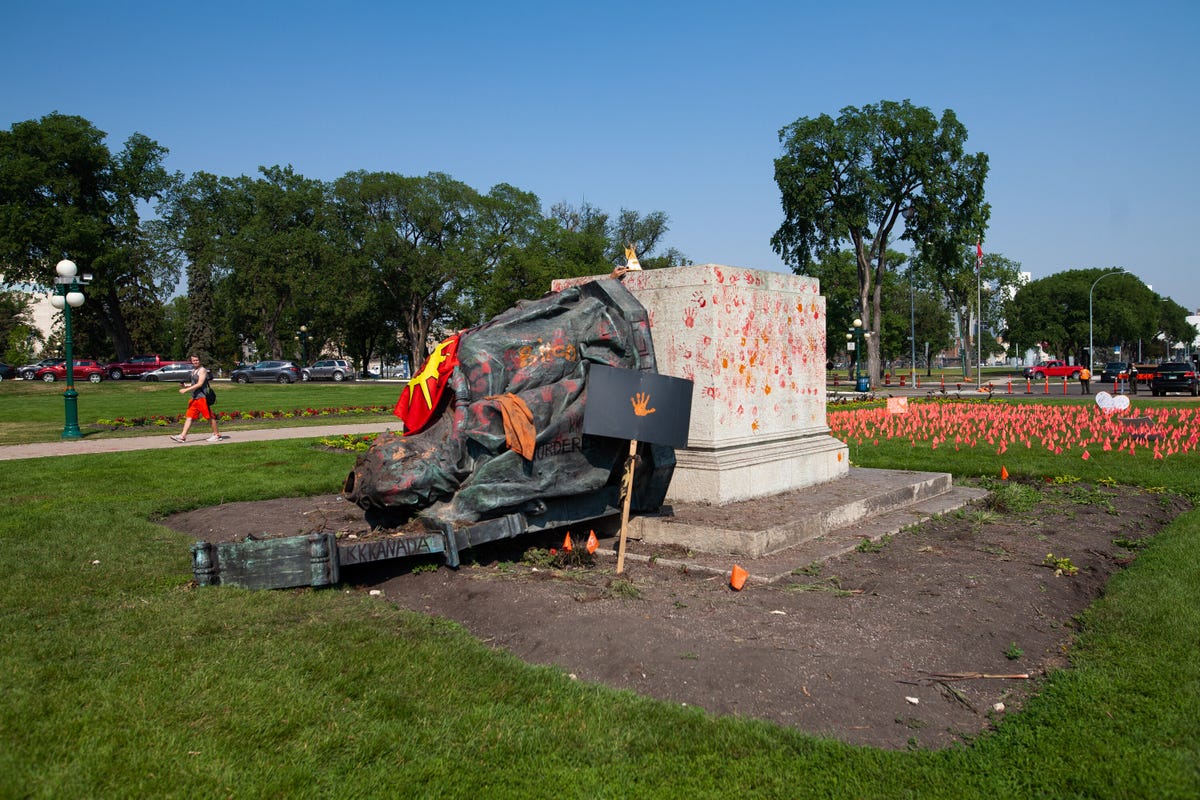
(979, 312)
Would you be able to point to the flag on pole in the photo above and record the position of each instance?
(978, 256)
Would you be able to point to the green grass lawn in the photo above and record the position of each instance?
(120, 680)
(32, 411)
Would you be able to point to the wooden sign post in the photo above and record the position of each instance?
(640, 406)
(627, 492)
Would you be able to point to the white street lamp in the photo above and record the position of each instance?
(66, 297)
(1091, 360)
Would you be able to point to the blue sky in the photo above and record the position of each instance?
(1087, 111)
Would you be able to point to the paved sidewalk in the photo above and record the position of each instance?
(196, 439)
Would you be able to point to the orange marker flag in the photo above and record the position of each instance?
(568, 545)
(592, 542)
(1003, 473)
(737, 578)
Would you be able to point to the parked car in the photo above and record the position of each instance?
(329, 369)
(1175, 376)
(7, 373)
(170, 371)
(27, 372)
(1120, 372)
(269, 371)
(83, 369)
(138, 365)
(1052, 369)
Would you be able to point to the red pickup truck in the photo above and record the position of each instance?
(1052, 369)
(135, 366)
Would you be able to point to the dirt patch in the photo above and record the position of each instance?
(851, 648)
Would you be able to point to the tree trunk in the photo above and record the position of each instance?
(417, 331)
(876, 326)
(111, 309)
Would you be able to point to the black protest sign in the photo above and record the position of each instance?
(642, 406)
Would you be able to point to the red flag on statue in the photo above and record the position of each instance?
(420, 397)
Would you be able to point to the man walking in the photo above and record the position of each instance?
(200, 391)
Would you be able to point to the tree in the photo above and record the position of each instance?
(194, 227)
(964, 287)
(915, 317)
(1173, 326)
(907, 305)
(604, 240)
(174, 335)
(850, 180)
(63, 194)
(1053, 312)
(415, 235)
(17, 331)
(512, 238)
(277, 258)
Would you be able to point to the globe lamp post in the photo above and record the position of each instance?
(304, 344)
(862, 383)
(67, 295)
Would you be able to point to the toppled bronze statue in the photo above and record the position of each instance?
(494, 421)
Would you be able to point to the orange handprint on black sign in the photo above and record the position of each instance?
(639, 401)
(611, 392)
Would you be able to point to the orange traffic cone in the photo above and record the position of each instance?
(1003, 473)
(737, 578)
(568, 545)
(592, 542)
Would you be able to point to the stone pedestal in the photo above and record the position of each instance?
(753, 343)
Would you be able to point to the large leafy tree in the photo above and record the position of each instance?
(1053, 312)
(279, 258)
(511, 232)
(263, 257)
(360, 319)
(851, 180)
(64, 194)
(194, 228)
(416, 236)
(596, 240)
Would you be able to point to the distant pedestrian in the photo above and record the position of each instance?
(1085, 380)
(197, 407)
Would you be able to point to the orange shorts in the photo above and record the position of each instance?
(198, 408)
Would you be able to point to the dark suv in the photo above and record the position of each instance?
(329, 369)
(270, 371)
(1175, 376)
(1120, 372)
